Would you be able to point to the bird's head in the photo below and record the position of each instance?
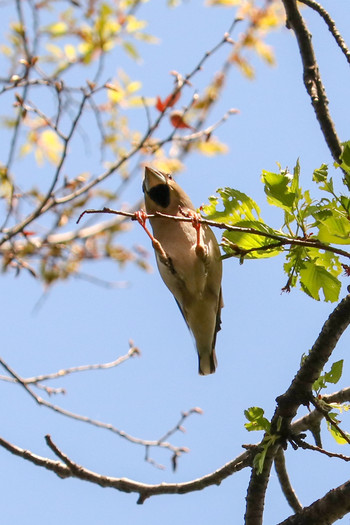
(162, 193)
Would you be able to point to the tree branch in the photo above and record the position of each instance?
(281, 240)
(82, 368)
(332, 507)
(314, 417)
(147, 444)
(331, 26)
(283, 478)
(70, 469)
(300, 390)
(312, 78)
(257, 489)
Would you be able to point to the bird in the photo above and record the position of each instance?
(188, 259)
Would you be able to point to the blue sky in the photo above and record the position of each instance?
(263, 332)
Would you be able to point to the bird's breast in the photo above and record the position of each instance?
(187, 270)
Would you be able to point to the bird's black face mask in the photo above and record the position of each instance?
(160, 194)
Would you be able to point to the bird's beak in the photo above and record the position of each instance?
(152, 178)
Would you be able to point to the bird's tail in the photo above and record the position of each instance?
(207, 362)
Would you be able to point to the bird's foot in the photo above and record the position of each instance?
(141, 217)
(195, 217)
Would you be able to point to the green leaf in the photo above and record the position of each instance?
(345, 202)
(333, 225)
(257, 421)
(314, 277)
(237, 207)
(295, 188)
(335, 432)
(235, 243)
(320, 174)
(259, 460)
(131, 50)
(332, 376)
(345, 156)
(319, 385)
(278, 191)
(335, 372)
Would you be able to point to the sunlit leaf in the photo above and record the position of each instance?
(235, 242)
(70, 52)
(277, 189)
(223, 3)
(335, 372)
(133, 24)
(320, 174)
(243, 64)
(335, 432)
(237, 207)
(212, 147)
(266, 52)
(333, 224)
(315, 277)
(131, 50)
(57, 29)
(257, 421)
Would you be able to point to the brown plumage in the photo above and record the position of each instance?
(191, 270)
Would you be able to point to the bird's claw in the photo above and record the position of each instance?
(195, 219)
(141, 217)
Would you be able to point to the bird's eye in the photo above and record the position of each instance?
(160, 194)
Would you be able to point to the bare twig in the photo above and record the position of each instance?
(64, 372)
(148, 444)
(50, 200)
(312, 78)
(281, 240)
(307, 446)
(69, 468)
(325, 414)
(314, 417)
(331, 26)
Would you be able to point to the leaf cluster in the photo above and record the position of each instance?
(310, 231)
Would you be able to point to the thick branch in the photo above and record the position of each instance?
(300, 389)
(312, 79)
(257, 489)
(332, 507)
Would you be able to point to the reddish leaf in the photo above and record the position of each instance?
(177, 120)
(169, 102)
(160, 105)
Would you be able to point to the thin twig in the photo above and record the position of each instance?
(282, 240)
(325, 414)
(331, 26)
(124, 484)
(307, 446)
(161, 443)
(50, 200)
(66, 371)
(312, 78)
